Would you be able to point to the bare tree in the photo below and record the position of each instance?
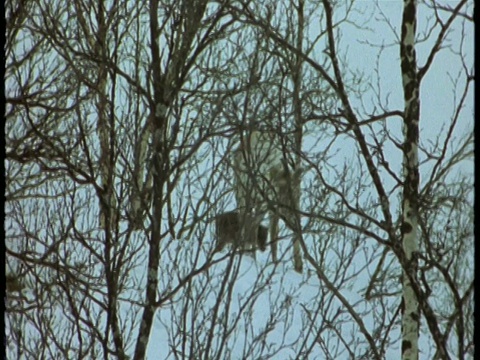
(122, 120)
(415, 298)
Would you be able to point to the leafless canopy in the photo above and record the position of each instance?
(125, 228)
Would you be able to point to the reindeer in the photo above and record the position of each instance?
(265, 183)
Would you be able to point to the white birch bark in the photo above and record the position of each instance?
(411, 313)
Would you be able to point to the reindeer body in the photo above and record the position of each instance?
(240, 230)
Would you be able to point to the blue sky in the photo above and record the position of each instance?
(378, 25)
(368, 47)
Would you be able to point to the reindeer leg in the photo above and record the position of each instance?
(297, 238)
(274, 234)
(293, 219)
(297, 254)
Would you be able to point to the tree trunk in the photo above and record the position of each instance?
(297, 106)
(411, 314)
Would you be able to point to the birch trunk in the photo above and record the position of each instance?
(166, 85)
(411, 313)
